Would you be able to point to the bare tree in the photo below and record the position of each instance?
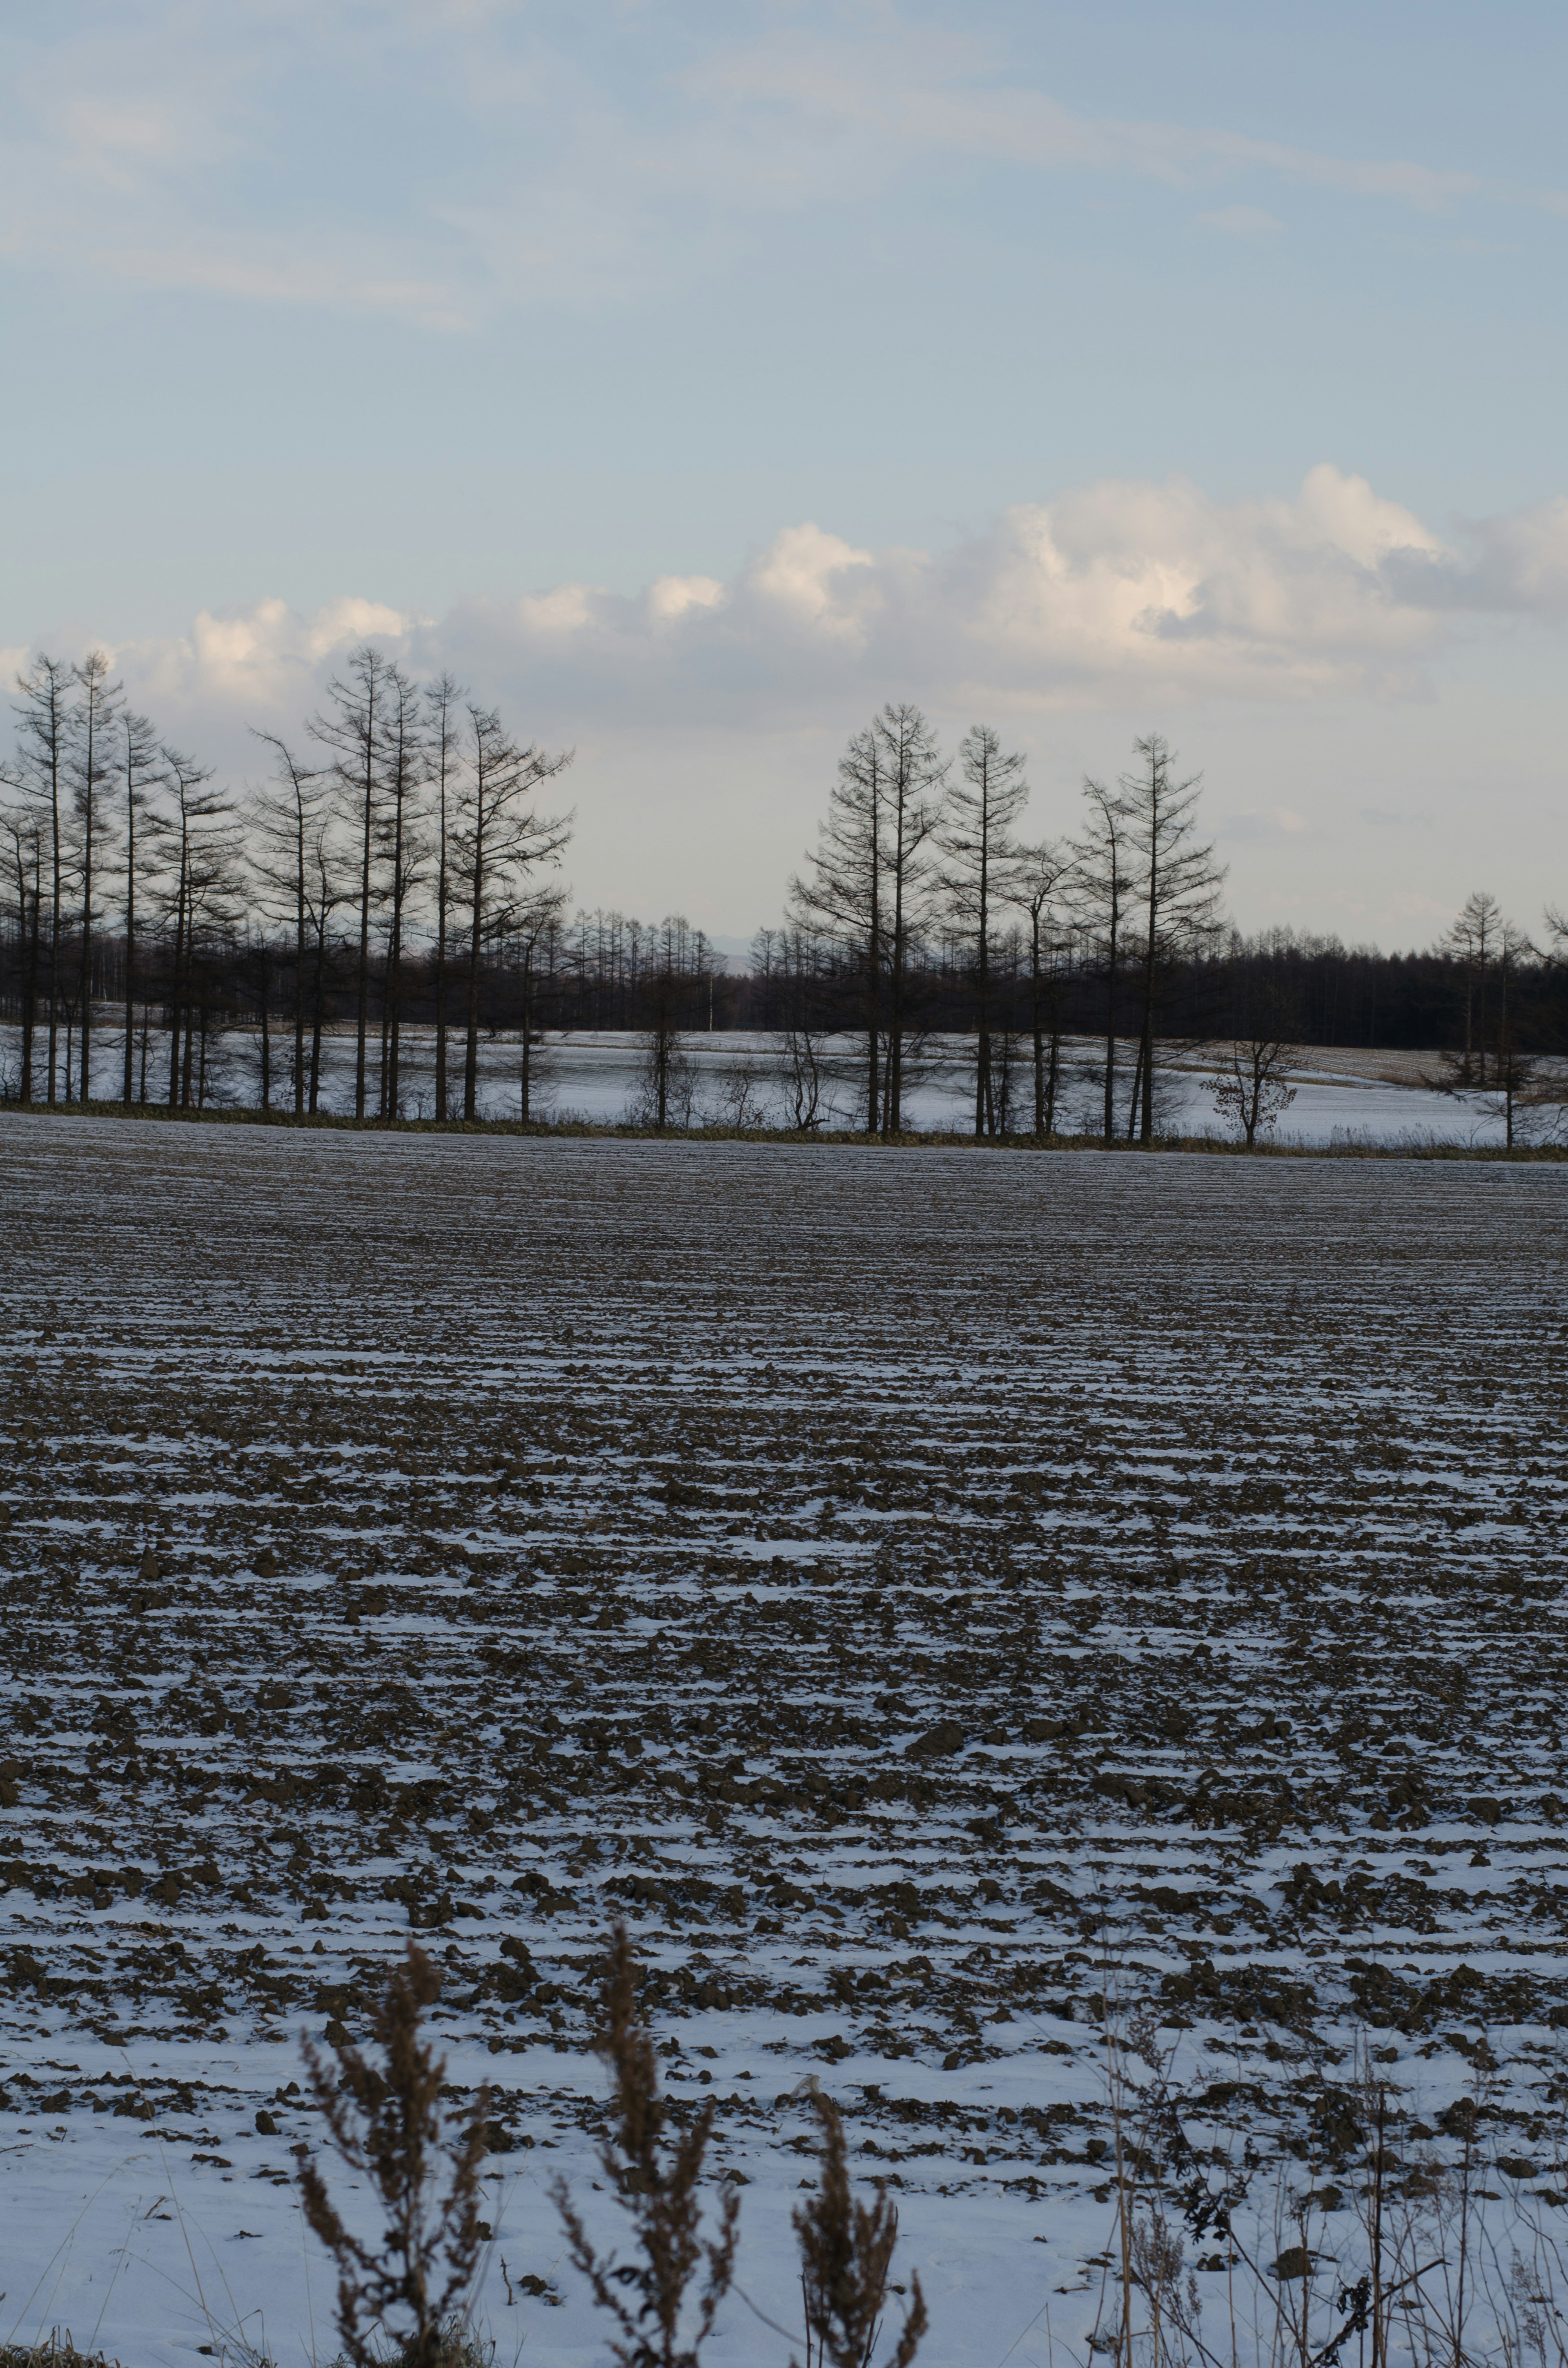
(93, 734)
(1476, 942)
(1100, 874)
(20, 828)
(1040, 881)
(1178, 894)
(914, 774)
(536, 922)
(501, 839)
(979, 854)
(140, 772)
(43, 736)
(843, 896)
(326, 889)
(352, 732)
(285, 820)
(667, 1084)
(1492, 950)
(1252, 1088)
(202, 901)
(404, 773)
(808, 1071)
(444, 707)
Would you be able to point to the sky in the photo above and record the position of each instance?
(691, 379)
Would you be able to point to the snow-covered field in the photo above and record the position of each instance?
(922, 1592)
(743, 1077)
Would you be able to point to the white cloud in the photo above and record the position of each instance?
(673, 597)
(803, 575)
(1119, 593)
(259, 658)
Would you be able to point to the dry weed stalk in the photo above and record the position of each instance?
(386, 2124)
(846, 2251)
(658, 2184)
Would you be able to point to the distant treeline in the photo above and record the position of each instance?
(399, 870)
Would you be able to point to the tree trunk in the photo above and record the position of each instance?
(1036, 1030)
(129, 1079)
(266, 1039)
(317, 1010)
(29, 983)
(470, 1047)
(300, 975)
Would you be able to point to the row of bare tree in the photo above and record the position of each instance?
(400, 868)
(913, 842)
(403, 793)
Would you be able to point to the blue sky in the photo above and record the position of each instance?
(1197, 367)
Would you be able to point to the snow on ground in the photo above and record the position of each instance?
(903, 1585)
(598, 1076)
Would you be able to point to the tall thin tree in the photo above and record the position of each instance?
(1040, 882)
(915, 773)
(44, 739)
(842, 894)
(93, 736)
(351, 731)
(502, 839)
(201, 860)
(444, 708)
(284, 819)
(1178, 893)
(1100, 872)
(979, 854)
(24, 876)
(405, 774)
(140, 764)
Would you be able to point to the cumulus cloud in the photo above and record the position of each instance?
(262, 655)
(1121, 593)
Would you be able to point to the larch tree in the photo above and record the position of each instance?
(92, 768)
(842, 895)
(979, 854)
(23, 840)
(284, 819)
(202, 860)
(1492, 950)
(43, 749)
(405, 774)
(445, 716)
(1177, 899)
(1475, 940)
(140, 771)
(915, 776)
(501, 839)
(536, 922)
(326, 888)
(1100, 876)
(351, 730)
(1040, 882)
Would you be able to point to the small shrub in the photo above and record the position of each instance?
(400, 2304)
(651, 2300)
(846, 2251)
